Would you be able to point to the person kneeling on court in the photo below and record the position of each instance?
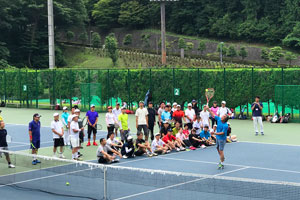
(102, 153)
(113, 142)
(195, 140)
(3, 144)
(127, 150)
(143, 146)
(74, 136)
(158, 146)
(58, 133)
(172, 141)
(206, 137)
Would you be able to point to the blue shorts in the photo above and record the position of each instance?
(36, 144)
(221, 144)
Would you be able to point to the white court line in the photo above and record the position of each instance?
(175, 185)
(214, 163)
(292, 145)
(27, 144)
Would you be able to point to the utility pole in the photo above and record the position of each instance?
(163, 29)
(51, 35)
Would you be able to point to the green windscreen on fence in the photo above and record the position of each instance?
(90, 94)
(287, 96)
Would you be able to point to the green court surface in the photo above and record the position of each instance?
(274, 133)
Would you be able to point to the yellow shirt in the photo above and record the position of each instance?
(123, 118)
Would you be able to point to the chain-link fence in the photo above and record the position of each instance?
(63, 87)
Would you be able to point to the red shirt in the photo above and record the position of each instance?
(178, 115)
(167, 138)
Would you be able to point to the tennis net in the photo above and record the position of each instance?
(86, 180)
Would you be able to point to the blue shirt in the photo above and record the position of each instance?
(92, 116)
(257, 111)
(222, 127)
(165, 116)
(35, 128)
(65, 116)
(205, 135)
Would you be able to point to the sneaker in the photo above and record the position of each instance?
(37, 161)
(95, 144)
(262, 133)
(11, 166)
(149, 154)
(62, 156)
(155, 154)
(54, 156)
(203, 146)
(133, 155)
(220, 166)
(168, 151)
(79, 154)
(177, 149)
(79, 159)
(256, 134)
(192, 148)
(34, 162)
(115, 160)
(88, 144)
(125, 156)
(182, 149)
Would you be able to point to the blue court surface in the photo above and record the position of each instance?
(252, 171)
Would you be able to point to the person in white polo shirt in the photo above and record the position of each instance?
(223, 110)
(190, 116)
(74, 136)
(204, 114)
(58, 133)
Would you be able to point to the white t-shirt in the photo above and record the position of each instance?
(223, 111)
(180, 136)
(74, 125)
(114, 141)
(197, 126)
(141, 114)
(160, 111)
(70, 118)
(191, 114)
(156, 143)
(205, 117)
(116, 113)
(110, 118)
(57, 126)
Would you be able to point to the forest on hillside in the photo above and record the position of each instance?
(23, 23)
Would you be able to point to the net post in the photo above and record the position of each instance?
(5, 95)
(105, 183)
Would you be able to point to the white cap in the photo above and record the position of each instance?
(190, 105)
(73, 116)
(77, 110)
(156, 134)
(129, 138)
(223, 102)
(93, 105)
(228, 123)
(174, 104)
(65, 108)
(55, 114)
(168, 104)
(215, 125)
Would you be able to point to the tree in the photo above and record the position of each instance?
(231, 52)
(293, 38)
(275, 54)
(111, 45)
(145, 38)
(189, 46)
(96, 40)
(265, 54)
(289, 56)
(243, 52)
(132, 14)
(70, 36)
(202, 47)
(127, 40)
(181, 46)
(83, 37)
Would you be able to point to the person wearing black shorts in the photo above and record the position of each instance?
(92, 118)
(58, 133)
(81, 133)
(151, 119)
(3, 144)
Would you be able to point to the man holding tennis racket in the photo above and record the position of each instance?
(58, 133)
(92, 119)
(3, 143)
(221, 136)
(34, 137)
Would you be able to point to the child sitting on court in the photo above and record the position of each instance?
(230, 138)
(172, 141)
(183, 138)
(127, 150)
(197, 125)
(143, 146)
(206, 137)
(113, 142)
(195, 140)
(212, 133)
(158, 146)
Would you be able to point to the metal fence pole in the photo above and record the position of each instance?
(5, 94)
(224, 76)
(70, 87)
(173, 84)
(282, 96)
(53, 87)
(150, 84)
(198, 86)
(20, 88)
(36, 90)
(27, 88)
(89, 85)
(129, 86)
(107, 88)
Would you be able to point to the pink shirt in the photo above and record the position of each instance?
(214, 110)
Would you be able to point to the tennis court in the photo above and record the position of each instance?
(253, 170)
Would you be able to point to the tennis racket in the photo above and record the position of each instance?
(85, 123)
(209, 93)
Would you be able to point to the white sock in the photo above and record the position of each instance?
(73, 156)
(34, 156)
(54, 153)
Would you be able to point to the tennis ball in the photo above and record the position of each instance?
(206, 90)
(67, 183)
